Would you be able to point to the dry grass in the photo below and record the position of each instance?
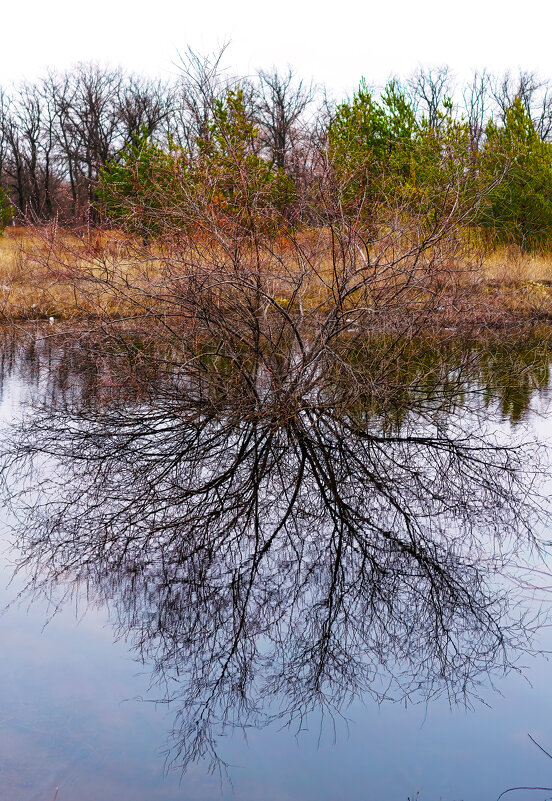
(28, 289)
(510, 265)
(89, 276)
(516, 284)
(40, 279)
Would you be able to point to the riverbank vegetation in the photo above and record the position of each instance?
(510, 287)
(420, 202)
(85, 146)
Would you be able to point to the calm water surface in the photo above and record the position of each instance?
(77, 710)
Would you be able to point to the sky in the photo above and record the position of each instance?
(332, 43)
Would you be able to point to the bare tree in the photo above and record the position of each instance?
(534, 92)
(3, 133)
(428, 88)
(144, 105)
(201, 82)
(477, 106)
(507, 87)
(289, 542)
(280, 105)
(14, 160)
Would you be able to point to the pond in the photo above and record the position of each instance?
(304, 602)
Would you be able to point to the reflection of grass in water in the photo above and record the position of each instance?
(372, 379)
(514, 369)
(440, 374)
(391, 376)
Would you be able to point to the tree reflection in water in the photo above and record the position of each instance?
(272, 548)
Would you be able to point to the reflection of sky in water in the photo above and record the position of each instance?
(64, 721)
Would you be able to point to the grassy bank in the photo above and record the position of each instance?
(91, 275)
(37, 283)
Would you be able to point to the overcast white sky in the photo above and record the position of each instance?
(333, 42)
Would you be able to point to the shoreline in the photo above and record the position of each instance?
(97, 277)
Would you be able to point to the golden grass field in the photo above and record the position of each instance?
(511, 265)
(28, 290)
(37, 283)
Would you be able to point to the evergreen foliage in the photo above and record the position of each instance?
(519, 208)
(371, 144)
(6, 210)
(232, 176)
(387, 162)
(147, 187)
(134, 188)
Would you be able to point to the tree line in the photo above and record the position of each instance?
(96, 144)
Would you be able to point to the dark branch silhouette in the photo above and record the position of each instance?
(270, 549)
